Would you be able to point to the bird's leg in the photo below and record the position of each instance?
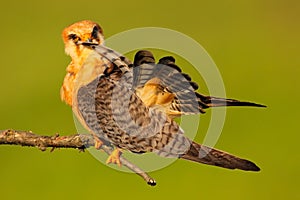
(114, 157)
(98, 143)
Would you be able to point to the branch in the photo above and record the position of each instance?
(76, 141)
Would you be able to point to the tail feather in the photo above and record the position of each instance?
(217, 102)
(203, 154)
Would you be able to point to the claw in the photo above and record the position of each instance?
(98, 143)
(114, 157)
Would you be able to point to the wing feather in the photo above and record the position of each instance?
(170, 80)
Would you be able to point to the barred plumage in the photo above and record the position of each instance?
(132, 106)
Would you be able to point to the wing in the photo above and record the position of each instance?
(165, 85)
(124, 106)
(109, 107)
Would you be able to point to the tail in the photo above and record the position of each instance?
(209, 101)
(203, 154)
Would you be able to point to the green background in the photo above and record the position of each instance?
(254, 43)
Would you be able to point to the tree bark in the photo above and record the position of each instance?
(76, 141)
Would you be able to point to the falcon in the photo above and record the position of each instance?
(132, 106)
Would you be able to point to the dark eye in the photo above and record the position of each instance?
(74, 37)
(95, 32)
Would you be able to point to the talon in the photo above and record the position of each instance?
(98, 143)
(52, 149)
(114, 157)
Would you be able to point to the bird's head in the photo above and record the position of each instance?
(77, 37)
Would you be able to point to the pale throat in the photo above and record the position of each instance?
(86, 66)
(79, 56)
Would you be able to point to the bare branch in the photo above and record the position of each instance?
(76, 141)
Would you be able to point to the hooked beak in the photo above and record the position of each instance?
(88, 40)
(87, 43)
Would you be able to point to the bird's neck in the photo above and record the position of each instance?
(79, 55)
(84, 68)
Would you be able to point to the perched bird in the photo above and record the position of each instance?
(132, 105)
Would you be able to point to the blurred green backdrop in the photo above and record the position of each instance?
(254, 43)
